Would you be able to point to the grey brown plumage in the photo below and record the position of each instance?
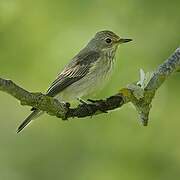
(74, 71)
(28, 120)
(86, 72)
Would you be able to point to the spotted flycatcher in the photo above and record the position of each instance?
(86, 72)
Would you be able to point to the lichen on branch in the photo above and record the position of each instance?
(139, 94)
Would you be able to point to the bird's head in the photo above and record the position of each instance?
(107, 40)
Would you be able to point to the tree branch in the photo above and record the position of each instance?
(140, 94)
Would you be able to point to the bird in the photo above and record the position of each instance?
(86, 73)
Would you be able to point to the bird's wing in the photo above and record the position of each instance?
(75, 70)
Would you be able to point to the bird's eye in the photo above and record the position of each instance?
(108, 40)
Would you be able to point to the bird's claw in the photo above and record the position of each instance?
(98, 105)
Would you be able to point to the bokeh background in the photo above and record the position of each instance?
(37, 38)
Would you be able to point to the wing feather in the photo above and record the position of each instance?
(75, 70)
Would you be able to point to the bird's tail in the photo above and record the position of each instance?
(36, 113)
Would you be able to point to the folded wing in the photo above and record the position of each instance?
(74, 71)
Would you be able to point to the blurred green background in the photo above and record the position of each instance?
(37, 38)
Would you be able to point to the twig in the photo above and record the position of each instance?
(139, 94)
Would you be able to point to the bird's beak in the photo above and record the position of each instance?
(122, 40)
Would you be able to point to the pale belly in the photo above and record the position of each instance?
(88, 85)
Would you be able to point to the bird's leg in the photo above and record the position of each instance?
(86, 105)
(97, 104)
(92, 101)
(82, 101)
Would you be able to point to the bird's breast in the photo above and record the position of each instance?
(95, 80)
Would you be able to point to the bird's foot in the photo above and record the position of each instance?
(82, 101)
(86, 105)
(97, 102)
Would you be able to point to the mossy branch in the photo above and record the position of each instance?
(139, 94)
